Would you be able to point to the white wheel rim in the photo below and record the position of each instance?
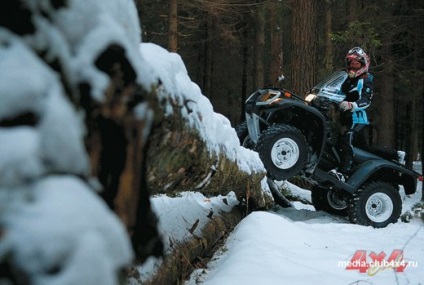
(285, 153)
(379, 207)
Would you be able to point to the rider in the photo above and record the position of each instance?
(358, 88)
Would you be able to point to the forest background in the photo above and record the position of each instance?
(233, 47)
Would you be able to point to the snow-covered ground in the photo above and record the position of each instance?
(302, 246)
(295, 245)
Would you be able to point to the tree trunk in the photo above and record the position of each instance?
(125, 190)
(182, 260)
(304, 46)
(276, 61)
(244, 73)
(352, 11)
(415, 95)
(173, 26)
(329, 53)
(179, 159)
(422, 150)
(200, 64)
(259, 46)
(413, 152)
(208, 63)
(385, 124)
(385, 99)
(110, 123)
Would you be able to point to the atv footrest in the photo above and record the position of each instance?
(325, 176)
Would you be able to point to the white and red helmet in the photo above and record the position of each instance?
(358, 54)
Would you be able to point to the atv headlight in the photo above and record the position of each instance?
(310, 97)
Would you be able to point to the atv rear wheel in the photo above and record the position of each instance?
(329, 201)
(377, 204)
(283, 150)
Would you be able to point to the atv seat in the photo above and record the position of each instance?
(379, 152)
(361, 155)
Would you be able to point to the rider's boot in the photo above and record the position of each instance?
(338, 175)
(344, 171)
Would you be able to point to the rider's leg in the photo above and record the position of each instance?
(346, 147)
(346, 152)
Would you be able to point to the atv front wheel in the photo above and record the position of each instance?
(329, 201)
(377, 204)
(283, 150)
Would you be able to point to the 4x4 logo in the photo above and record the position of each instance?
(377, 263)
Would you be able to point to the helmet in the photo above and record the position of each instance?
(358, 54)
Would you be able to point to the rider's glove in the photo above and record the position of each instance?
(345, 106)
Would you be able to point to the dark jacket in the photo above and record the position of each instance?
(358, 90)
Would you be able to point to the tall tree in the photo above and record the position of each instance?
(422, 149)
(276, 60)
(208, 58)
(245, 53)
(352, 11)
(416, 93)
(385, 98)
(329, 52)
(173, 26)
(259, 45)
(304, 45)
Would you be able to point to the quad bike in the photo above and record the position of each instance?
(299, 137)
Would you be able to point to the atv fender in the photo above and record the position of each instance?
(387, 171)
(307, 119)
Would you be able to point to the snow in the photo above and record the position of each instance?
(178, 215)
(302, 246)
(66, 227)
(295, 245)
(196, 204)
(41, 96)
(99, 24)
(54, 228)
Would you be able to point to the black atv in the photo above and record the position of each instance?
(299, 137)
